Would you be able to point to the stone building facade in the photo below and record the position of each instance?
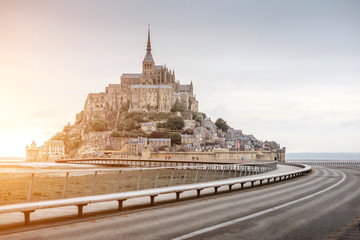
(155, 89)
(32, 152)
(157, 143)
(50, 151)
(136, 145)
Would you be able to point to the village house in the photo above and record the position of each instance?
(148, 127)
(157, 143)
(137, 145)
(50, 151)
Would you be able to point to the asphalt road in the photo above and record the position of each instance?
(317, 206)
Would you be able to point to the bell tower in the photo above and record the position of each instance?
(148, 64)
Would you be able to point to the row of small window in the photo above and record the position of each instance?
(56, 149)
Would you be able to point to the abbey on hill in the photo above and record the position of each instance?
(151, 115)
(153, 90)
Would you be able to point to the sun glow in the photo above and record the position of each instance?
(13, 141)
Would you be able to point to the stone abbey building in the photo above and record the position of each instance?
(154, 90)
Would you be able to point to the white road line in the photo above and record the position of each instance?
(237, 220)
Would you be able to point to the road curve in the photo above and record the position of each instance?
(311, 207)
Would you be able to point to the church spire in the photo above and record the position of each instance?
(148, 49)
(148, 57)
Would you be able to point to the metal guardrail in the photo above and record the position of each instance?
(80, 202)
(151, 162)
(45, 185)
(331, 163)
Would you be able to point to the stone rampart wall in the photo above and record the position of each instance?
(231, 155)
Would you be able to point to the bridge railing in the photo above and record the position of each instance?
(25, 186)
(135, 162)
(80, 202)
(331, 163)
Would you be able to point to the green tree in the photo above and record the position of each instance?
(98, 125)
(130, 126)
(221, 123)
(116, 134)
(120, 126)
(175, 123)
(131, 115)
(175, 138)
(139, 118)
(158, 134)
(188, 131)
(199, 116)
(178, 107)
(161, 125)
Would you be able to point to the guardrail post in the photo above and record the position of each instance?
(80, 209)
(139, 180)
(156, 178)
(152, 200)
(172, 177)
(30, 187)
(242, 185)
(198, 192)
(65, 185)
(268, 180)
(178, 196)
(206, 173)
(94, 184)
(230, 186)
(185, 176)
(118, 182)
(196, 175)
(27, 216)
(216, 190)
(120, 204)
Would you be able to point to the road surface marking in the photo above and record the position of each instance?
(237, 220)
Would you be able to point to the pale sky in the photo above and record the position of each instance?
(287, 71)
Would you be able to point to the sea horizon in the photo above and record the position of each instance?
(12, 159)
